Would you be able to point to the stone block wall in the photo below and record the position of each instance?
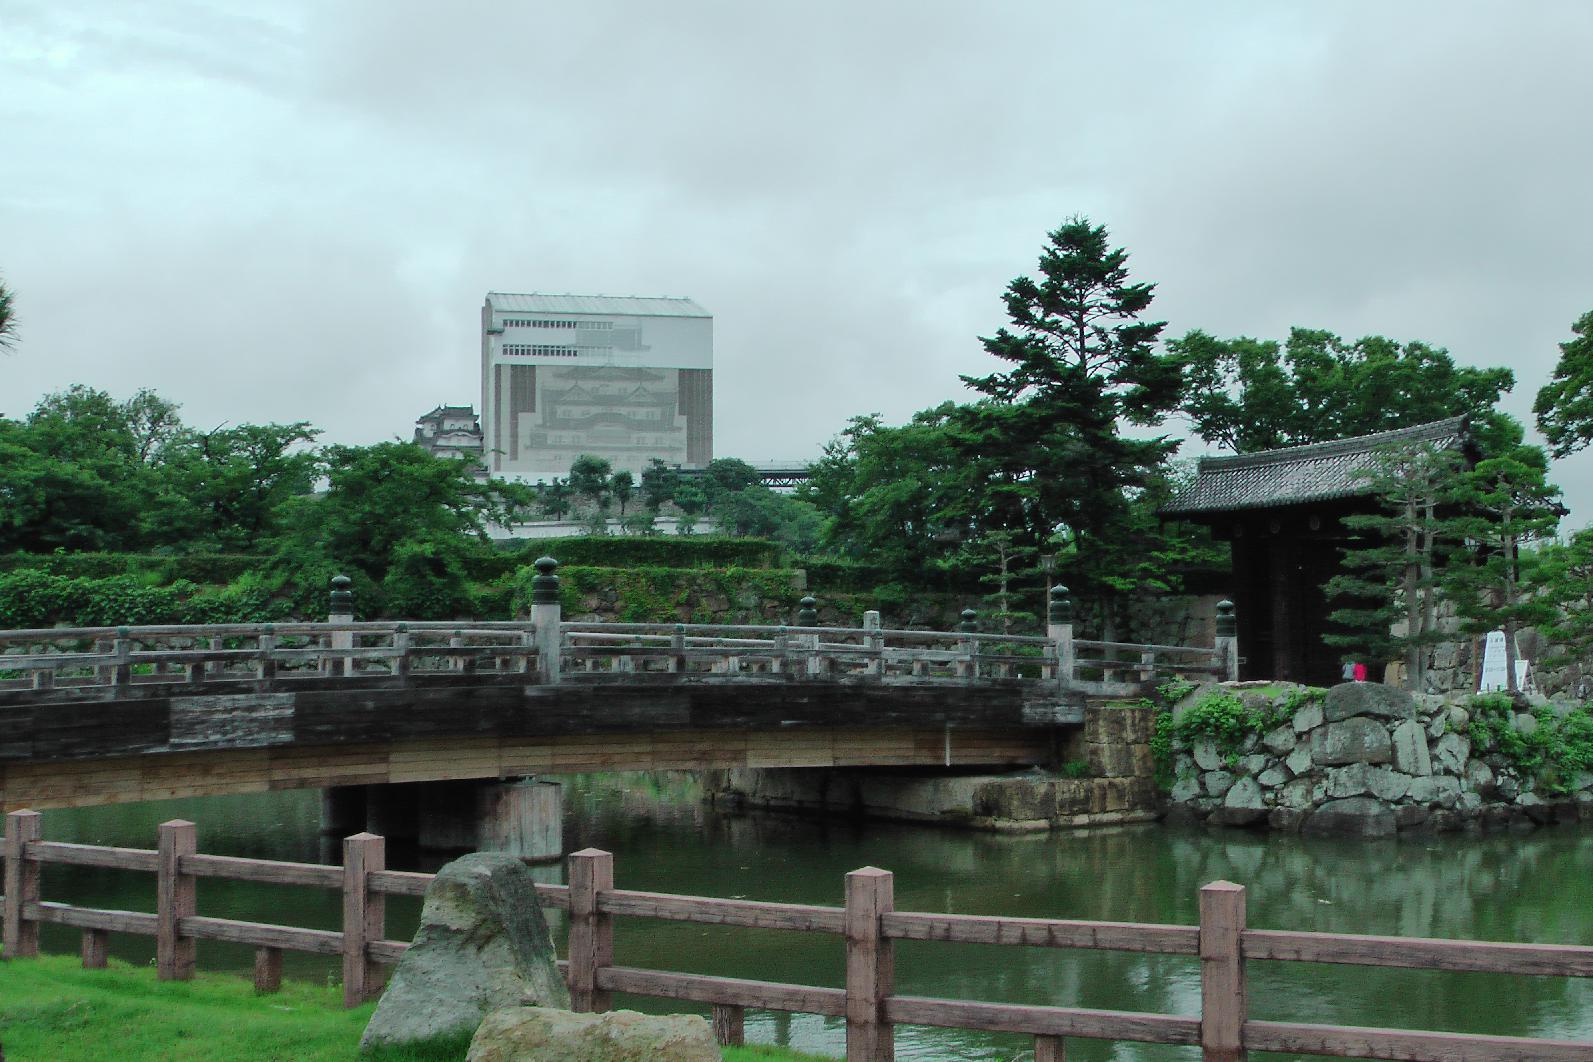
(1366, 760)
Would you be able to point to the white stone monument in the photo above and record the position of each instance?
(1493, 667)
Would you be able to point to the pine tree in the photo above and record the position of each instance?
(1390, 580)
(1503, 506)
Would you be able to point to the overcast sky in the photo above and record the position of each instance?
(288, 211)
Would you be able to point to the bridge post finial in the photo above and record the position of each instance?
(970, 622)
(1059, 628)
(1227, 641)
(545, 619)
(340, 608)
(808, 614)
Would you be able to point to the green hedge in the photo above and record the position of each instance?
(645, 594)
(660, 551)
(30, 599)
(195, 568)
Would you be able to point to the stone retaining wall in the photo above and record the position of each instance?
(1366, 760)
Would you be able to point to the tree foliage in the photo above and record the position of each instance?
(8, 318)
(1564, 406)
(1252, 394)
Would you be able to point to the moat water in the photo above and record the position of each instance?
(1520, 887)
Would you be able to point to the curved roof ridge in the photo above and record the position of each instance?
(1432, 430)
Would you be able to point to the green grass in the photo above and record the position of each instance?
(51, 1008)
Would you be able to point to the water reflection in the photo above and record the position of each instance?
(1503, 887)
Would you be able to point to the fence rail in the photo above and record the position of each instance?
(867, 924)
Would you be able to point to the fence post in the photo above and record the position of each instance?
(267, 971)
(216, 667)
(22, 886)
(401, 649)
(175, 899)
(364, 916)
(874, 642)
(122, 675)
(267, 663)
(546, 617)
(729, 1025)
(1222, 972)
(808, 616)
(1227, 642)
(677, 649)
(104, 674)
(870, 966)
(591, 931)
(1049, 1049)
(1059, 628)
(968, 648)
(782, 647)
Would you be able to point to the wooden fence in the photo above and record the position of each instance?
(868, 924)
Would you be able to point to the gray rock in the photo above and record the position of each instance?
(1452, 751)
(1357, 740)
(1253, 764)
(1347, 781)
(1298, 794)
(1459, 719)
(1387, 784)
(1280, 740)
(1242, 805)
(1285, 820)
(482, 944)
(1355, 817)
(1524, 723)
(1479, 777)
(1307, 717)
(1442, 790)
(539, 1034)
(1273, 777)
(1299, 761)
(1468, 802)
(1437, 725)
(1410, 816)
(1582, 780)
(1249, 742)
(1349, 700)
(1207, 756)
(1528, 800)
(1410, 749)
(1216, 783)
(1507, 786)
(1186, 788)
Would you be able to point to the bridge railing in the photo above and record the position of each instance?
(548, 649)
(868, 924)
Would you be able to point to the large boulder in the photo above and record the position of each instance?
(483, 944)
(1350, 699)
(1355, 817)
(1357, 740)
(537, 1034)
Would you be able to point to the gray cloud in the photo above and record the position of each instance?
(295, 215)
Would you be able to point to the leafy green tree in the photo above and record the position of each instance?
(1008, 564)
(1567, 578)
(622, 487)
(1250, 394)
(225, 488)
(727, 476)
(589, 479)
(1389, 580)
(8, 318)
(759, 512)
(691, 501)
(888, 493)
(381, 497)
(1504, 505)
(554, 498)
(1564, 405)
(659, 482)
